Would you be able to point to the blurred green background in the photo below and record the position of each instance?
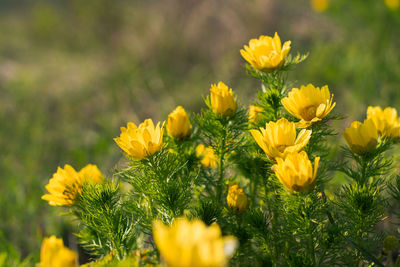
(72, 72)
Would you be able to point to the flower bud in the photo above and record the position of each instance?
(390, 243)
(54, 253)
(361, 137)
(295, 172)
(179, 126)
(254, 113)
(319, 5)
(237, 199)
(207, 156)
(222, 100)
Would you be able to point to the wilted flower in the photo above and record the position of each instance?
(309, 104)
(236, 198)
(222, 100)
(54, 254)
(66, 184)
(192, 244)
(361, 137)
(279, 138)
(266, 53)
(386, 121)
(254, 113)
(179, 126)
(207, 156)
(392, 4)
(295, 171)
(319, 5)
(141, 142)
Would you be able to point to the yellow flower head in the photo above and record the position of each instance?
(386, 121)
(208, 158)
(179, 126)
(254, 113)
(141, 142)
(66, 184)
(392, 4)
(266, 53)
(295, 171)
(222, 100)
(279, 138)
(54, 254)
(236, 198)
(320, 5)
(192, 244)
(361, 137)
(309, 104)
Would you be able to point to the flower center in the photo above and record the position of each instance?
(309, 113)
(281, 148)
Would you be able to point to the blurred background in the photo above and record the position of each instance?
(72, 72)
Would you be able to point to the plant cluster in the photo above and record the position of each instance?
(236, 186)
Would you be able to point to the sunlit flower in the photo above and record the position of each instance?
(279, 138)
(66, 184)
(361, 137)
(392, 4)
(254, 113)
(178, 125)
(266, 53)
(236, 198)
(207, 156)
(309, 104)
(319, 5)
(295, 171)
(386, 121)
(222, 100)
(192, 244)
(141, 142)
(54, 254)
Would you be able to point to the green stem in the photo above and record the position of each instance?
(311, 247)
(221, 167)
(397, 263)
(363, 170)
(321, 258)
(310, 239)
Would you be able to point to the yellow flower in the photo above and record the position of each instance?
(361, 137)
(66, 184)
(54, 254)
(236, 198)
(392, 4)
(192, 244)
(319, 5)
(254, 113)
(208, 158)
(222, 100)
(266, 53)
(386, 121)
(295, 171)
(179, 126)
(309, 104)
(141, 142)
(279, 138)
